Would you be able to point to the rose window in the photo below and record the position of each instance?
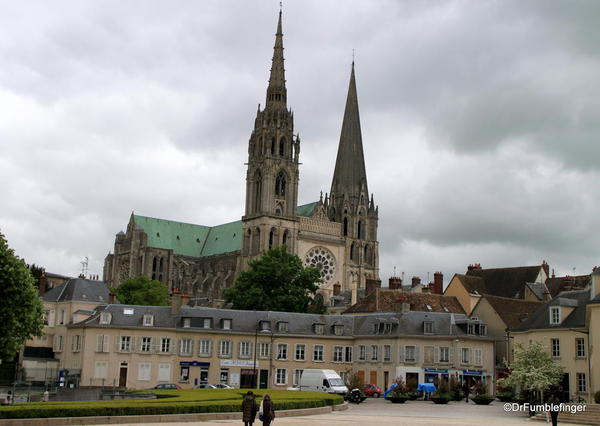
(323, 260)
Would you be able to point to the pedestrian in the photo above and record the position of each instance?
(466, 390)
(249, 409)
(554, 401)
(266, 412)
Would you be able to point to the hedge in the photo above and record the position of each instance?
(170, 402)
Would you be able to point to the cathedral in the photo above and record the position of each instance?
(337, 233)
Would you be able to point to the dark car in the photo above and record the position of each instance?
(372, 390)
(167, 386)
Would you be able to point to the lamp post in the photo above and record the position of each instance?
(262, 330)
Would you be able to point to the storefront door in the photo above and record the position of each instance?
(264, 379)
(123, 375)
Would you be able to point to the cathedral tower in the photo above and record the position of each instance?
(349, 202)
(272, 176)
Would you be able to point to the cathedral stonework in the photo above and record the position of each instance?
(337, 233)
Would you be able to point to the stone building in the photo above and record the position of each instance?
(337, 233)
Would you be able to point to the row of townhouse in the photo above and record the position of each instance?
(95, 343)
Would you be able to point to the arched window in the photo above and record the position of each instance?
(282, 147)
(154, 268)
(160, 267)
(352, 252)
(271, 238)
(272, 146)
(360, 229)
(280, 184)
(257, 191)
(345, 226)
(284, 239)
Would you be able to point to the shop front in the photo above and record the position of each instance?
(194, 371)
(472, 377)
(241, 373)
(434, 375)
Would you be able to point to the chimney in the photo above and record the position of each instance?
(546, 268)
(415, 281)
(112, 298)
(337, 289)
(175, 301)
(395, 283)
(438, 283)
(43, 284)
(185, 299)
(595, 287)
(474, 266)
(371, 284)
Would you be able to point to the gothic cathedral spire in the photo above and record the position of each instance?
(276, 91)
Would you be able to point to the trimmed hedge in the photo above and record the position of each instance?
(170, 402)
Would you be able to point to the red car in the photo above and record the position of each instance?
(372, 390)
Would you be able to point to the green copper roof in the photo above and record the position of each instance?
(223, 239)
(306, 209)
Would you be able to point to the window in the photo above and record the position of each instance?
(410, 354)
(105, 318)
(265, 325)
(581, 383)
(226, 324)
(148, 321)
(144, 370)
(184, 374)
(46, 315)
(280, 185)
(164, 372)
(225, 348)
(264, 350)
(282, 351)
(318, 352)
(146, 344)
(465, 355)
(338, 329)
(362, 352)
(165, 344)
(374, 353)
(125, 343)
(281, 376)
(128, 311)
(554, 315)
(319, 328)
(245, 349)
(224, 375)
(187, 322)
(343, 376)
(282, 327)
(300, 352)
(102, 343)
(100, 369)
(471, 328)
(297, 377)
(387, 328)
(348, 354)
(580, 347)
(338, 354)
(555, 347)
(428, 327)
(185, 347)
(444, 354)
(76, 343)
(205, 348)
(477, 357)
(205, 322)
(387, 353)
(482, 330)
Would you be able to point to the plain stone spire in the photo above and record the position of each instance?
(277, 92)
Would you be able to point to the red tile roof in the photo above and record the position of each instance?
(385, 300)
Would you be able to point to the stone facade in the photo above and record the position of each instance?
(337, 233)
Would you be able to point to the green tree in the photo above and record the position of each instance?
(142, 291)
(277, 281)
(21, 316)
(533, 369)
(36, 271)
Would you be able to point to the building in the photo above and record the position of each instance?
(337, 233)
(138, 347)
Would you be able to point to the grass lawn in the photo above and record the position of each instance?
(170, 402)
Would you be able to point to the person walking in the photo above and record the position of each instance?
(249, 409)
(266, 411)
(466, 390)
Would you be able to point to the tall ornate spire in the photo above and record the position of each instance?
(350, 177)
(276, 92)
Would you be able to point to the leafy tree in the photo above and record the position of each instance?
(533, 369)
(21, 315)
(277, 281)
(142, 291)
(36, 271)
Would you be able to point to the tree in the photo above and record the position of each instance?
(277, 281)
(142, 291)
(533, 369)
(21, 316)
(36, 271)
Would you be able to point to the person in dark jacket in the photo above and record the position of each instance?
(267, 408)
(466, 390)
(249, 409)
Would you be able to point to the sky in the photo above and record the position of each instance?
(480, 122)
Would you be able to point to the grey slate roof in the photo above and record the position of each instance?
(79, 289)
(541, 318)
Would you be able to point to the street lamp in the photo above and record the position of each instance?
(263, 328)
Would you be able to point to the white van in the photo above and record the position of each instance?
(314, 380)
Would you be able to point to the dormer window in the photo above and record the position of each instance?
(429, 308)
(470, 328)
(482, 330)
(105, 318)
(282, 327)
(265, 325)
(555, 315)
(226, 324)
(388, 328)
(206, 323)
(338, 329)
(148, 320)
(428, 327)
(445, 308)
(128, 311)
(187, 322)
(319, 328)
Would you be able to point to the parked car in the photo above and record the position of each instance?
(372, 390)
(167, 386)
(224, 386)
(205, 386)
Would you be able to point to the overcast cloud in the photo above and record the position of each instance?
(480, 122)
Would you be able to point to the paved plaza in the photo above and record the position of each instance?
(381, 412)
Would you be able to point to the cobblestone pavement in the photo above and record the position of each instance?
(381, 412)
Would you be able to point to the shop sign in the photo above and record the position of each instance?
(472, 372)
(194, 364)
(437, 370)
(238, 363)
